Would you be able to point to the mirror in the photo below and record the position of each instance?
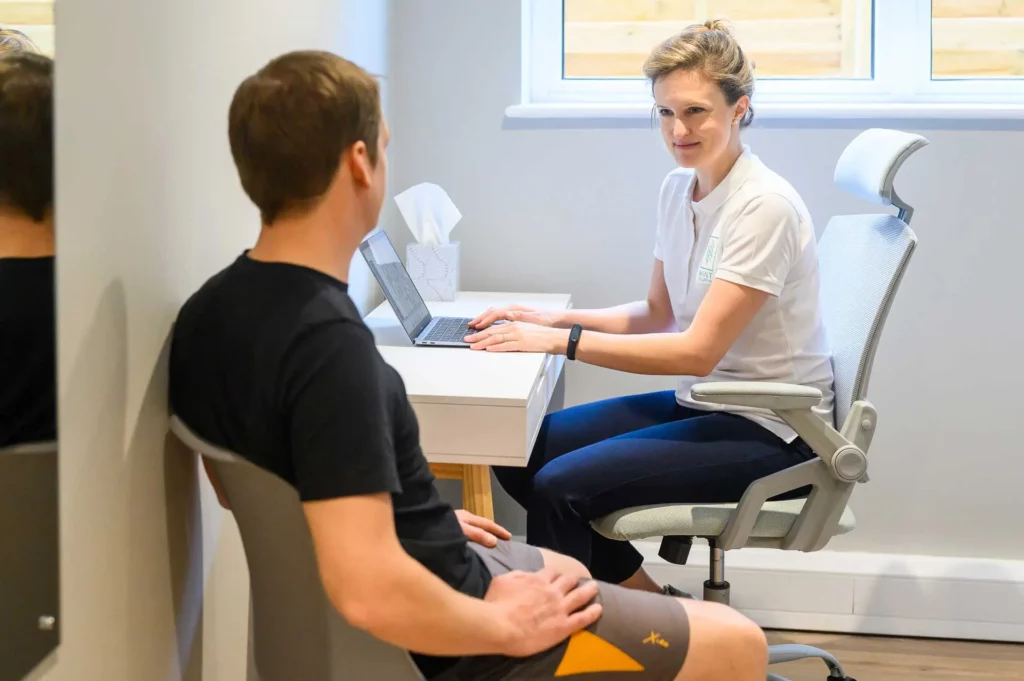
(29, 548)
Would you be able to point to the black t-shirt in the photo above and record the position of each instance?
(28, 351)
(272, 361)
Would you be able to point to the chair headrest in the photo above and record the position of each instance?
(869, 164)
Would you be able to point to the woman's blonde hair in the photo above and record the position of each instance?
(15, 41)
(710, 49)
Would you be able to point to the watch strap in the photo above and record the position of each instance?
(574, 338)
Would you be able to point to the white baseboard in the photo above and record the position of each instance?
(861, 593)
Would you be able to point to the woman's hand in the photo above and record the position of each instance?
(481, 530)
(515, 313)
(520, 337)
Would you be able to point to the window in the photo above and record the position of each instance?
(812, 57)
(34, 18)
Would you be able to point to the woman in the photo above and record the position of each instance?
(12, 40)
(733, 297)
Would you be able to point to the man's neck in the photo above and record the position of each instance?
(712, 176)
(23, 237)
(312, 240)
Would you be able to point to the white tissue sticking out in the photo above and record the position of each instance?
(429, 213)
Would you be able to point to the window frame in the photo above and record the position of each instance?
(902, 85)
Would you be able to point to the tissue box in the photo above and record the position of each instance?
(434, 269)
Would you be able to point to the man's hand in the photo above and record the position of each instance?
(481, 530)
(542, 609)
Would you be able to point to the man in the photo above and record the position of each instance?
(28, 367)
(271, 360)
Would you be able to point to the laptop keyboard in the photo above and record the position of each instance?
(449, 330)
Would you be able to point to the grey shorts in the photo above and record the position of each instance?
(642, 633)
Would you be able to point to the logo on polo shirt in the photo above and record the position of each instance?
(709, 263)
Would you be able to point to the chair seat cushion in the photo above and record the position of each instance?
(704, 520)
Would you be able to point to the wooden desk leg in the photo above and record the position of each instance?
(476, 491)
(476, 486)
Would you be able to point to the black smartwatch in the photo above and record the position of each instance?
(574, 339)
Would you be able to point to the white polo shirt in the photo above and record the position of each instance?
(752, 229)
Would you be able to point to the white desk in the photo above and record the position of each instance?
(475, 409)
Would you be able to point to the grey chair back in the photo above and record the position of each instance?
(862, 260)
(295, 632)
(30, 618)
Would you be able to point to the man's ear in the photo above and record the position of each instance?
(359, 164)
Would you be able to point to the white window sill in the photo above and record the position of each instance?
(775, 111)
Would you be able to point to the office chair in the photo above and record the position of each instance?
(29, 557)
(295, 632)
(862, 260)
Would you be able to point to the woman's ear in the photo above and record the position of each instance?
(742, 106)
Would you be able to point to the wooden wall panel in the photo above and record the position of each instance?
(789, 38)
(34, 18)
(630, 10)
(807, 64)
(978, 64)
(977, 38)
(953, 9)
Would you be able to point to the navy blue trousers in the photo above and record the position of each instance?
(602, 457)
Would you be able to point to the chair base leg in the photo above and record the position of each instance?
(717, 593)
(789, 653)
(716, 589)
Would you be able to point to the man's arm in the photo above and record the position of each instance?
(342, 449)
(379, 588)
(218, 489)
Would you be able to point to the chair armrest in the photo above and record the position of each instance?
(841, 460)
(844, 453)
(774, 396)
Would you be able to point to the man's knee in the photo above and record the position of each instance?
(723, 644)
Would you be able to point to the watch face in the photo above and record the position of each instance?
(574, 337)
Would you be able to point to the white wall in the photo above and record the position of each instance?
(571, 208)
(148, 207)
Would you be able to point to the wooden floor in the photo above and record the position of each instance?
(871, 658)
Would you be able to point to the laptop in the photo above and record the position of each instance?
(406, 301)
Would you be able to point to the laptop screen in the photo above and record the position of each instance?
(396, 283)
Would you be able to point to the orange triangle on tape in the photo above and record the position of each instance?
(589, 653)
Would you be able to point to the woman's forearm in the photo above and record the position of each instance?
(630, 318)
(657, 354)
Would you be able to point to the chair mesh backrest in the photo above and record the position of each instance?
(296, 633)
(862, 259)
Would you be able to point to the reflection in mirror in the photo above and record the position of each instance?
(29, 550)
